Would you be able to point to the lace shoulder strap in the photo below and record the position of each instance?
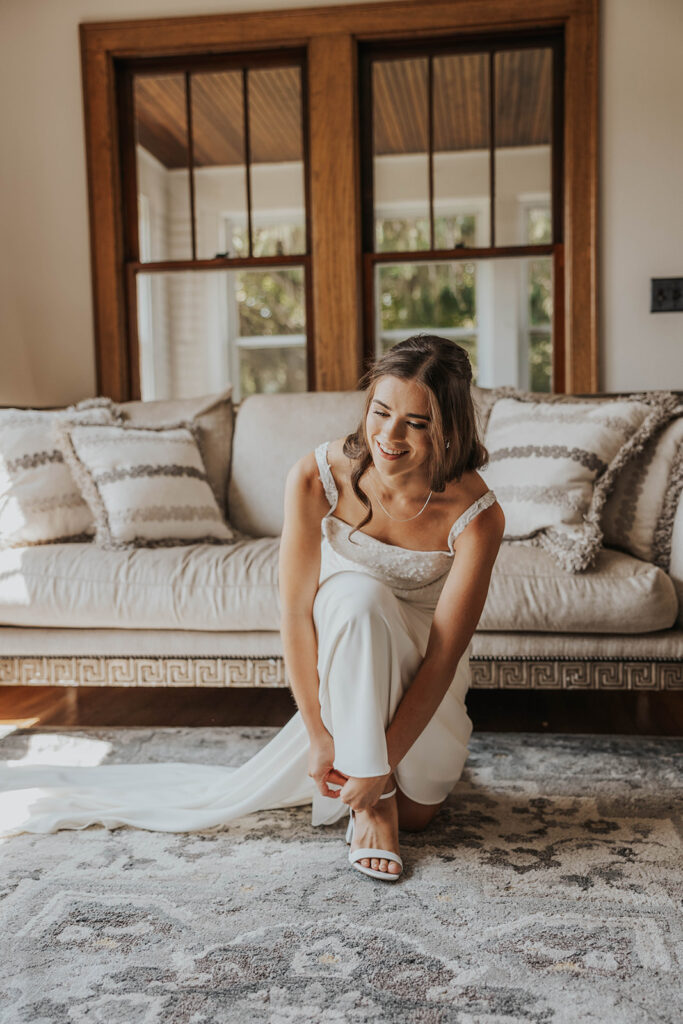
(325, 474)
(486, 499)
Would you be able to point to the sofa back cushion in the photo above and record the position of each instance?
(271, 433)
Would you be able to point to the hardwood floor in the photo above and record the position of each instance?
(645, 714)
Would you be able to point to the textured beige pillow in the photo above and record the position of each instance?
(554, 459)
(146, 486)
(638, 516)
(40, 502)
(213, 415)
(675, 569)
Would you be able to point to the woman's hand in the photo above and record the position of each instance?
(362, 794)
(320, 761)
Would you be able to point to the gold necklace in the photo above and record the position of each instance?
(409, 517)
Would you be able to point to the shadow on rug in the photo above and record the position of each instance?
(546, 890)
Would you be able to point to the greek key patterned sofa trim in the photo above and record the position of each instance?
(523, 673)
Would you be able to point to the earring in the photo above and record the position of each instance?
(448, 444)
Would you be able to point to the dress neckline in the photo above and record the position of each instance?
(385, 544)
(396, 547)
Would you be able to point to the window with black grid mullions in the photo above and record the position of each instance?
(217, 240)
(462, 226)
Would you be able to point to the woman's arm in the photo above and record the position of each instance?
(298, 575)
(301, 654)
(299, 572)
(455, 619)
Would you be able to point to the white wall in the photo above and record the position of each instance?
(641, 191)
(46, 333)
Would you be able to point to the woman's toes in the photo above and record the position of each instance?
(374, 863)
(365, 862)
(394, 868)
(383, 864)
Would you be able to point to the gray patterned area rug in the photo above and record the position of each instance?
(548, 889)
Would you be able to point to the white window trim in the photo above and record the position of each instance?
(235, 341)
(146, 353)
(528, 201)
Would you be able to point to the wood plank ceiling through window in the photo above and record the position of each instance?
(460, 98)
(274, 117)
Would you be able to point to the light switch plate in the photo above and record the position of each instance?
(666, 294)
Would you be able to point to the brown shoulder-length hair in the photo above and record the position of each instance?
(443, 369)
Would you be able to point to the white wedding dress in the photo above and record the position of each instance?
(372, 613)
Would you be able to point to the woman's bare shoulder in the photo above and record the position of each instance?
(339, 463)
(305, 485)
(471, 485)
(305, 468)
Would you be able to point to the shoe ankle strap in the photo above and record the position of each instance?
(384, 796)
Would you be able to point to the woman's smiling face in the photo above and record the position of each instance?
(397, 421)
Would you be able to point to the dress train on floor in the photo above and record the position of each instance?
(162, 797)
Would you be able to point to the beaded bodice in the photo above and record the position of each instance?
(416, 576)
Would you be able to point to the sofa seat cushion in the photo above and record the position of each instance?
(34, 642)
(227, 588)
(619, 594)
(192, 587)
(64, 646)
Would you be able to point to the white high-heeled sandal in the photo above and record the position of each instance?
(370, 852)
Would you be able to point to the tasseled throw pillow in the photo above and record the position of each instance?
(553, 462)
(40, 502)
(639, 514)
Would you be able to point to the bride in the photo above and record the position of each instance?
(378, 607)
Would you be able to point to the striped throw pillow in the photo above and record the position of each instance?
(552, 464)
(146, 486)
(639, 514)
(40, 502)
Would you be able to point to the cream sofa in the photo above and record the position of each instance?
(208, 615)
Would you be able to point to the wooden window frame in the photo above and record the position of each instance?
(337, 356)
(373, 257)
(134, 266)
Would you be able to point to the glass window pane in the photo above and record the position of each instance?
(461, 150)
(540, 311)
(523, 138)
(437, 298)
(162, 167)
(277, 162)
(500, 310)
(400, 155)
(269, 370)
(219, 162)
(539, 225)
(200, 331)
(271, 302)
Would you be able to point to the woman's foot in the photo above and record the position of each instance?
(378, 828)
